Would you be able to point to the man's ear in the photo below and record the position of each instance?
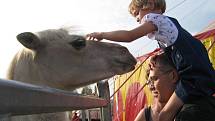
(174, 76)
(29, 40)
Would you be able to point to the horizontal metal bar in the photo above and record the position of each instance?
(17, 98)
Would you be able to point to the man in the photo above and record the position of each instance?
(163, 78)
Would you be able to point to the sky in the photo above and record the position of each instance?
(19, 16)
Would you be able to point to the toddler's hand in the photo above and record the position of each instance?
(96, 36)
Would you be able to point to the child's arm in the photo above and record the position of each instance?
(124, 35)
(171, 108)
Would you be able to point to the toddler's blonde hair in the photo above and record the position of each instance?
(136, 5)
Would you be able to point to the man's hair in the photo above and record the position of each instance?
(164, 62)
(136, 5)
(161, 59)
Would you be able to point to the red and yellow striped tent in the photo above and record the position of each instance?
(207, 36)
(130, 96)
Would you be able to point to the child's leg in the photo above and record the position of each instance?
(171, 108)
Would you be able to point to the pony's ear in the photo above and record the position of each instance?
(29, 40)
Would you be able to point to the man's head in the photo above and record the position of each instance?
(162, 76)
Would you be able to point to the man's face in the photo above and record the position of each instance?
(161, 84)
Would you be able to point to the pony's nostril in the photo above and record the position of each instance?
(124, 51)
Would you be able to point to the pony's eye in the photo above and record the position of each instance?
(78, 42)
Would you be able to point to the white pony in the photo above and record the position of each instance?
(59, 59)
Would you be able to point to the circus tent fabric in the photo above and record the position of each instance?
(207, 36)
(131, 95)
